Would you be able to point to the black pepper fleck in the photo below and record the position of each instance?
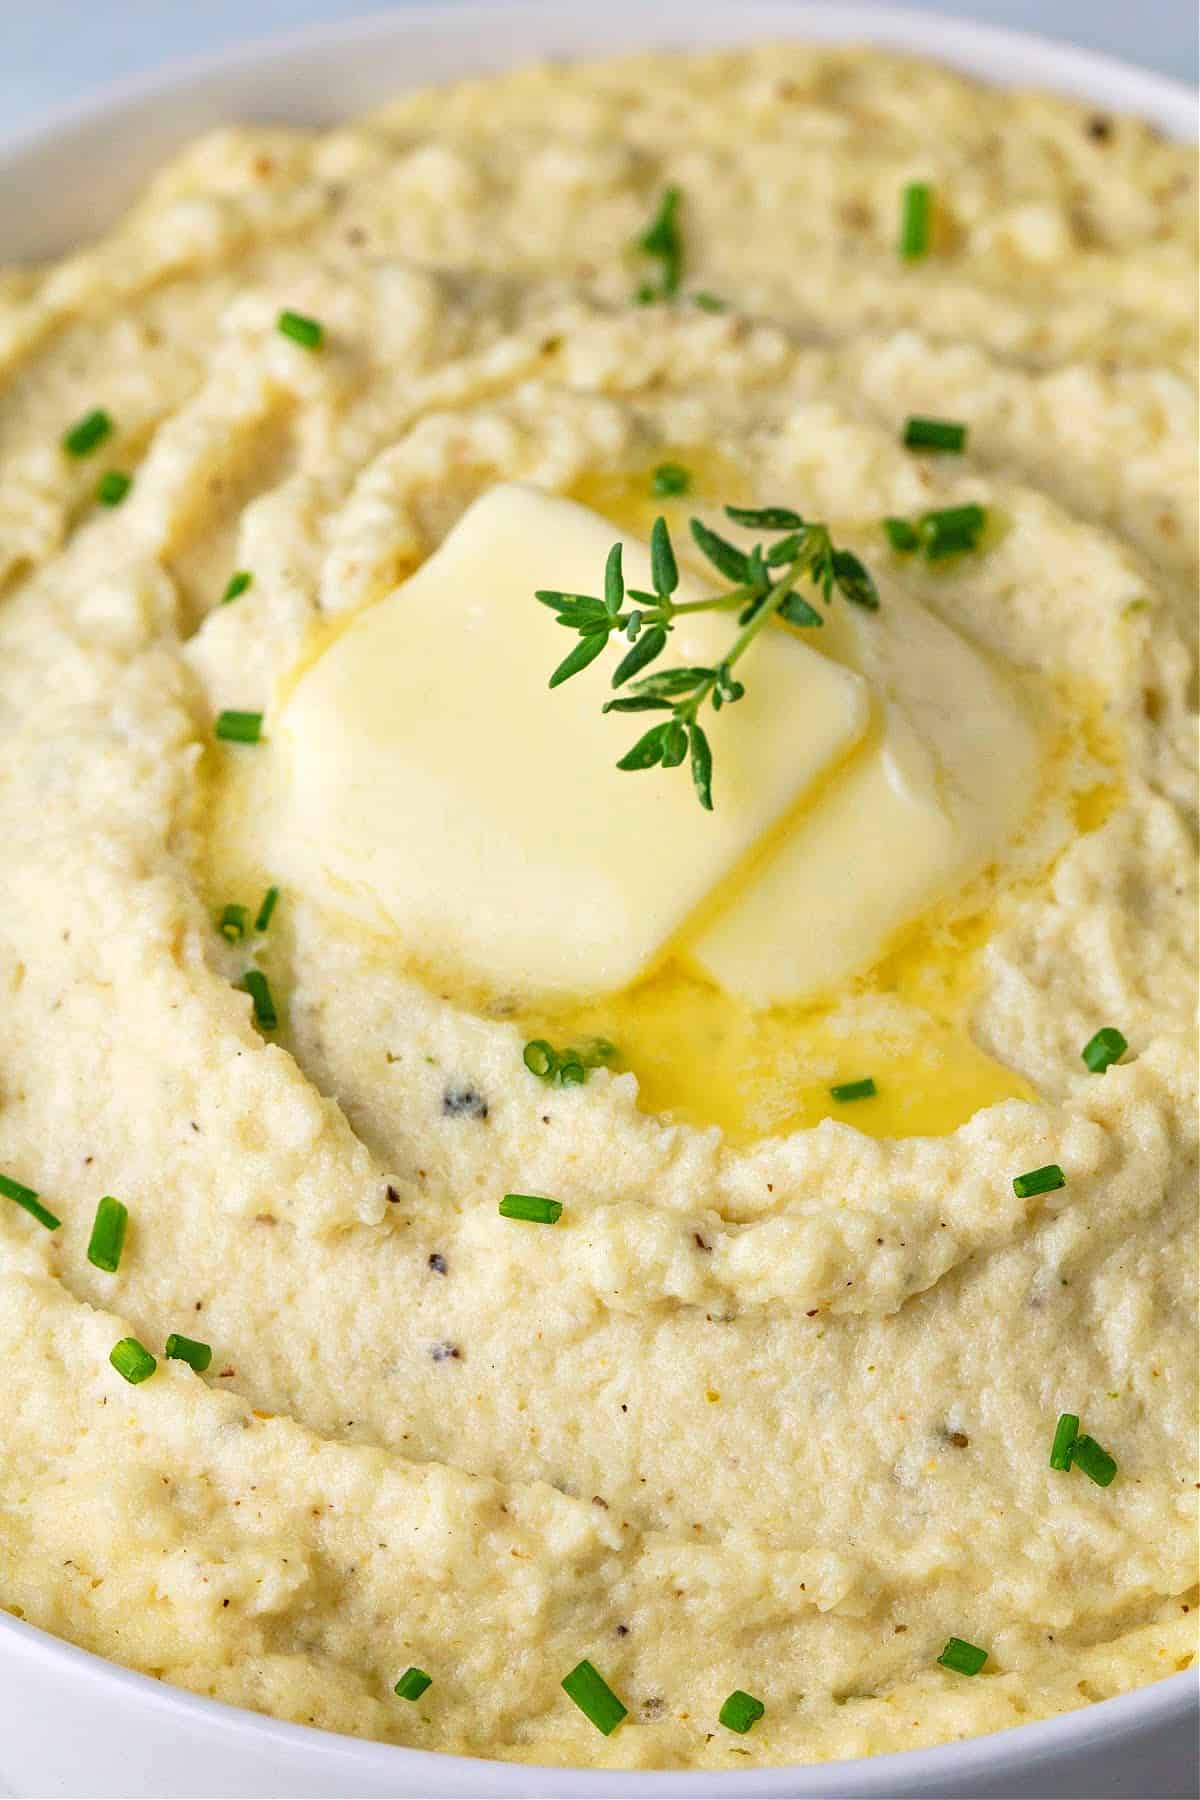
(392, 1195)
(445, 1352)
(701, 1243)
(437, 1263)
(1099, 128)
(622, 1631)
(464, 1102)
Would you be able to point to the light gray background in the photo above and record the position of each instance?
(52, 51)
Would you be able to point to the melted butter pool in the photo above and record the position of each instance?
(702, 1057)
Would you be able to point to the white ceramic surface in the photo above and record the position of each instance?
(72, 1725)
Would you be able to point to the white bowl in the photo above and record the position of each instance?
(76, 1725)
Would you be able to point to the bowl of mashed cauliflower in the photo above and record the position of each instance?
(597, 1110)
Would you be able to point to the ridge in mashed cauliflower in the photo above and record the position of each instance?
(838, 1328)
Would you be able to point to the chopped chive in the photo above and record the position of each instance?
(855, 1090)
(27, 1197)
(671, 478)
(740, 1711)
(541, 1059)
(914, 221)
(87, 432)
(947, 531)
(258, 987)
(232, 924)
(132, 1360)
(238, 583)
(1039, 1181)
(239, 727)
(934, 434)
(301, 330)
(535, 1209)
(572, 1070)
(963, 1658)
(113, 486)
(265, 912)
(1108, 1046)
(1065, 1433)
(661, 240)
(185, 1349)
(594, 1698)
(952, 530)
(1096, 1463)
(412, 1684)
(707, 302)
(901, 535)
(108, 1235)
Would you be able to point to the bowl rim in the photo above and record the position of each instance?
(1059, 66)
(1094, 1724)
(1056, 66)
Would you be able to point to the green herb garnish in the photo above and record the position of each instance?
(412, 1684)
(1065, 1434)
(26, 1197)
(902, 535)
(232, 924)
(952, 531)
(239, 727)
(661, 240)
(915, 212)
(238, 583)
(534, 1209)
(308, 332)
(948, 531)
(707, 302)
(269, 901)
(963, 1658)
(740, 1712)
(113, 486)
(108, 1235)
(1096, 1463)
(764, 588)
(670, 478)
(132, 1360)
(1107, 1047)
(594, 1698)
(185, 1349)
(934, 434)
(854, 1090)
(566, 1068)
(255, 983)
(87, 432)
(1039, 1181)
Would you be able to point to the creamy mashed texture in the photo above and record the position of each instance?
(770, 1406)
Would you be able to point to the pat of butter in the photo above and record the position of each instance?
(438, 788)
(928, 801)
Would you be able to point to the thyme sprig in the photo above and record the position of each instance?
(764, 579)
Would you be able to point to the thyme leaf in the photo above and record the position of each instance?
(765, 586)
